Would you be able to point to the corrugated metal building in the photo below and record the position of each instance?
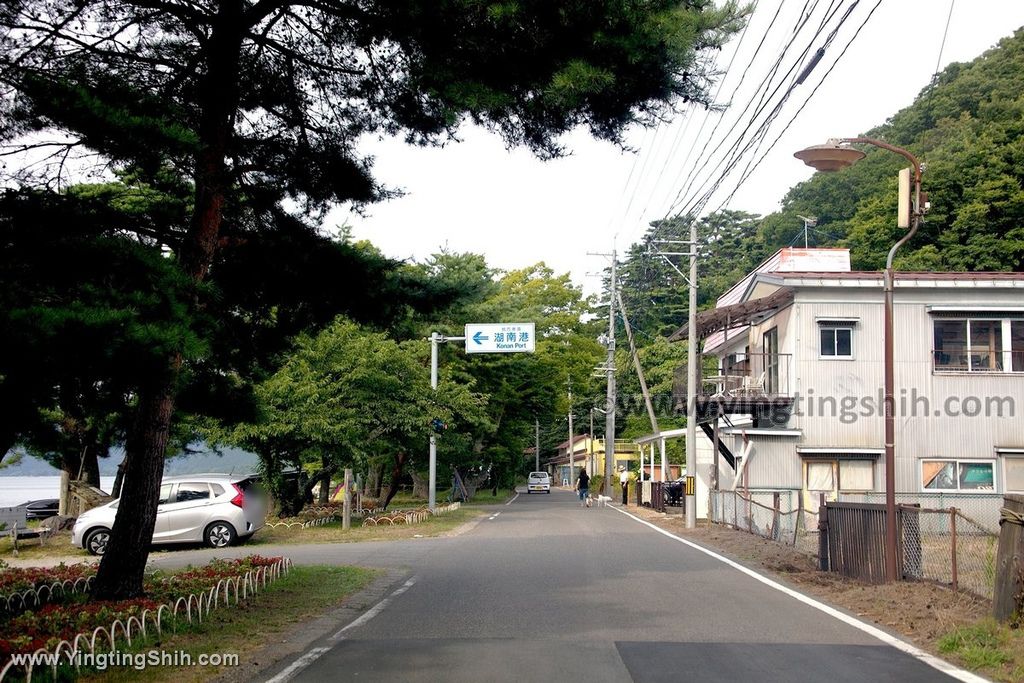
(818, 354)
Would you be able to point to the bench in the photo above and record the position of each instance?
(14, 522)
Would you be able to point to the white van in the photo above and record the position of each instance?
(538, 481)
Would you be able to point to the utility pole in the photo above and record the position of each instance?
(435, 339)
(536, 445)
(692, 353)
(572, 450)
(609, 371)
(692, 358)
(609, 429)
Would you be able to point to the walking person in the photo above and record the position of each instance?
(583, 486)
(624, 481)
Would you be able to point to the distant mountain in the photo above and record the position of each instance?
(205, 459)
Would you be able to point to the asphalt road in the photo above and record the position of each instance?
(547, 591)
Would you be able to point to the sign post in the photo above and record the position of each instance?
(479, 338)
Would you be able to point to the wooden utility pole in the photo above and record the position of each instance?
(1009, 595)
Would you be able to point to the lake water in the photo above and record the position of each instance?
(18, 490)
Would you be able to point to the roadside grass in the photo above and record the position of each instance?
(333, 533)
(57, 546)
(484, 497)
(305, 593)
(987, 647)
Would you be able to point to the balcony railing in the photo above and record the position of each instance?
(962, 359)
(751, 375)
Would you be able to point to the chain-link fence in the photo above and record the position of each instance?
(951, 548)
(947, 546)
(775, 515)
(982, 508)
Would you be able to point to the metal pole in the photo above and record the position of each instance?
(572, 449)
(432, 484)
(664, 459)
(692, 353)
(591, 449)
(892, 572)
(609, 429)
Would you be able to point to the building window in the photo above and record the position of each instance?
(835, 342)
(1013, 474)
(977, 345)
(957, 475)
(856, 475)
(821, 477)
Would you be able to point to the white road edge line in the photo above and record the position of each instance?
(298, 665)
(375, 610)
(314, 654)
(929, 659)
(497, 513)
(513, 499)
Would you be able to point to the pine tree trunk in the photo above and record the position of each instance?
(115, 490)
(396, 478)
(121, 570)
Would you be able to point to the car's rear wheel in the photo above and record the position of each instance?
(220, 535)
(96, 541)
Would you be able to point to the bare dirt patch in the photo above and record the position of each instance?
(921, 612)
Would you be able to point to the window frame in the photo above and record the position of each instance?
(958, 461)
(839, 472)
(1017, 457)
(835, 345)
(1010, 360)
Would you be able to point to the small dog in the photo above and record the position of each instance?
(603, 500)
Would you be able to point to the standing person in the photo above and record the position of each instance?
(624, 481)
(583, 486)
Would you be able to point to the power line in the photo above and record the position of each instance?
(764, 94)
(802, 106)
(945, 32)
(696, 205)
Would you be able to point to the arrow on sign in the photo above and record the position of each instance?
(480, 337)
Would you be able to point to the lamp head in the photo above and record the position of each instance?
(832, 156)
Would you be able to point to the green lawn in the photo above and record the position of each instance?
(305, 593)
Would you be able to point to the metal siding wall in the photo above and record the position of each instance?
(774, 463)
(923, 433)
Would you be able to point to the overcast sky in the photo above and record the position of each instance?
(477, 196)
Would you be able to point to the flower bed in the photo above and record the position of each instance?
(22, 578)
(71, 623)
(28, 587)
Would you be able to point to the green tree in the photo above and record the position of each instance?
(259, 100)
(344, 396)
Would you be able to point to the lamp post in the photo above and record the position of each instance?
(833, 156)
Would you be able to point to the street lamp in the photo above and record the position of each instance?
(834, 156)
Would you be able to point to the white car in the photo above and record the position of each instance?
(216, 509)
(539, 482)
